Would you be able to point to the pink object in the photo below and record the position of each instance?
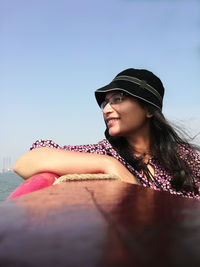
(36, 182)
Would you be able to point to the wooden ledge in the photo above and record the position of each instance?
(99, 223)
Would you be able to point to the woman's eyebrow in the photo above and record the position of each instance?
(107, 98)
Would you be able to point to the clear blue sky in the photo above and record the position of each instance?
(55, 53)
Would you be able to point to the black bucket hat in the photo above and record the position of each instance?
(138, 83)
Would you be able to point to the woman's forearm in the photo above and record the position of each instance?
(58, 161)
(64, 162)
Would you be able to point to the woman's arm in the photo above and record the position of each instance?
(64, 162)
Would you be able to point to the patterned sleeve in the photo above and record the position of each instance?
(44, 143)
(103, 147)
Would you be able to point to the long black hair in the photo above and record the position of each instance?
(165, 141)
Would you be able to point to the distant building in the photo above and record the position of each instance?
(7, 165)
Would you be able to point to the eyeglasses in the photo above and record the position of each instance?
(114, 99)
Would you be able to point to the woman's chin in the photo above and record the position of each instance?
(113, 133)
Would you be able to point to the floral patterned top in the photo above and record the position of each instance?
(161, 176)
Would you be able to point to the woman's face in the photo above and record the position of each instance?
(125, 118)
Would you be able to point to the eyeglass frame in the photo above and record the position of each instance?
(109, 100)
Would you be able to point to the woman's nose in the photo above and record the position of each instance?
(107, 108)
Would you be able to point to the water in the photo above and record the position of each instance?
(8, 182)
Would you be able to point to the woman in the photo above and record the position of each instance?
(141, 147)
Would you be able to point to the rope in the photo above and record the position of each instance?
(75, 177)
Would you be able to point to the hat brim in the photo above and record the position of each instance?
(133, 90)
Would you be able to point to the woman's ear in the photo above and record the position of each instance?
(149, 115)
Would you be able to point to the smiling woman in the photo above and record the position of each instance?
(141, 147)
(125, 116)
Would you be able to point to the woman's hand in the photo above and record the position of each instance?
(113, 166)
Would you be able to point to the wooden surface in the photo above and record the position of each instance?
(99, 223)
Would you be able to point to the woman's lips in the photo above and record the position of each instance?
(111, 121)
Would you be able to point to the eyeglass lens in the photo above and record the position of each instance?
(114, 99)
